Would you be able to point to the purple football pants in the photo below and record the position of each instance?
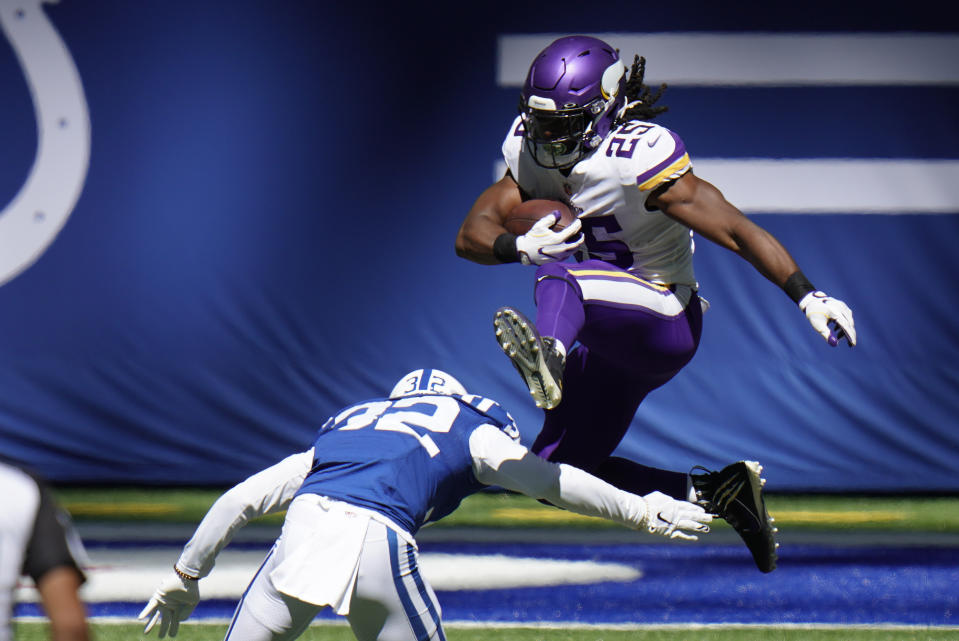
(633, 337)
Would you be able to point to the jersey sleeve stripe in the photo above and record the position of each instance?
(651, 181)
(676, 163)
(484, 405)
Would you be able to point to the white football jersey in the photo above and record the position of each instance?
(608, 190)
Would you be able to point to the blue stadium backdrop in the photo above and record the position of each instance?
(222, 221)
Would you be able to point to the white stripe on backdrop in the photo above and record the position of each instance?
(710, 58)
(843, 185)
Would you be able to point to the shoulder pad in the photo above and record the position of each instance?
(646, 154)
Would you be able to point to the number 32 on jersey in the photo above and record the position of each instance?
(395, 416)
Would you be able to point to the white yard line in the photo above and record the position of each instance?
(131, 574)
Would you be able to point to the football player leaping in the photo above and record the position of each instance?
(583, 136)
(377, 472)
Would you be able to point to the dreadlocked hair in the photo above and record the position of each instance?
(640, 99)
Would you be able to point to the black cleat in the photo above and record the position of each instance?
(534, 357)
(735, 493)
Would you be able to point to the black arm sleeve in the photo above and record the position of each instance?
(49, 545)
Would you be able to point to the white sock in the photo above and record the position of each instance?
(559, 347)
(691, 491)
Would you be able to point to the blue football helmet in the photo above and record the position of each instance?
(427, 381)
(575, 90)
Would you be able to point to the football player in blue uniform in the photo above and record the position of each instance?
(626, 316)
(377, 472)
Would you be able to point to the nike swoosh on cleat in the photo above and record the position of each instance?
(755, 517)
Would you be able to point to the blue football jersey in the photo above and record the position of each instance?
(407, 458)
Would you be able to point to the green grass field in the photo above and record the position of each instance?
(490, 509)
(215, 632)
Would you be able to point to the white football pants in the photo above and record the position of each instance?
(19, 502)
(388, 601)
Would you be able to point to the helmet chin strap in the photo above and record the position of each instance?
(592, 139)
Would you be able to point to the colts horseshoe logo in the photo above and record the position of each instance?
(29, 224)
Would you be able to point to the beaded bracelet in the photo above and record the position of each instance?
(184, 575)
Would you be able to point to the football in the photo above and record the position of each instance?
(525, 215)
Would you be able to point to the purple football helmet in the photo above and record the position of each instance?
(573, 93)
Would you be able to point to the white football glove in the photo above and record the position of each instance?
(829, 316)
(675, 519)
(542, 245)
(172, 602)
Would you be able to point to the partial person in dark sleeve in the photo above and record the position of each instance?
(37, 539)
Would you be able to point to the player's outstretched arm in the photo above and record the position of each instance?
(265, 492)
(497, 460)
(700, 206)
